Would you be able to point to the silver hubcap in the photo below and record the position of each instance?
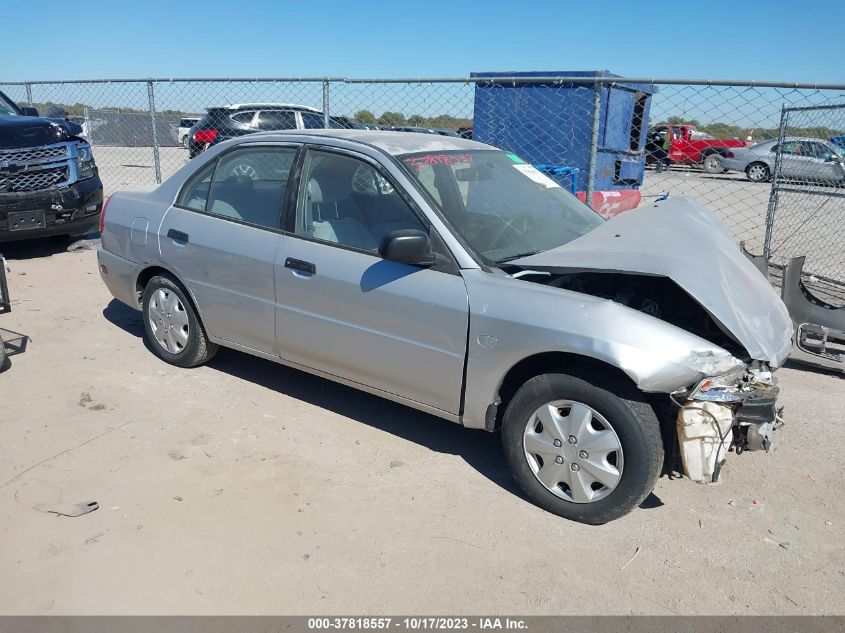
(573, 451)
(168, 320)
(756, 172)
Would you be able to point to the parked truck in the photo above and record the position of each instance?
(49, 184)
(688, 146)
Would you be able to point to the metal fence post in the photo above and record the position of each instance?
(325, 103)
(29, 94)
(773, 194)
(594, 144)
(152, 103)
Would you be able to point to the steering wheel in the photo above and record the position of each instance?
(527, 223)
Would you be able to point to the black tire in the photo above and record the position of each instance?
(711, 164)
(760, 173)
(623, 408)
(198, 348)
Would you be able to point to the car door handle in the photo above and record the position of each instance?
(300, 266)
(178, 236)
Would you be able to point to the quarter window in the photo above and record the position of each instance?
(346, 201)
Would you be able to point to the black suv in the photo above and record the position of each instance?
(49, 183)
(221, 124)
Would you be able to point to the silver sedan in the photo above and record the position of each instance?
(808, 159)
(458, 279)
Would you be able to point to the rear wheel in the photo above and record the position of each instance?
(587, 451)
(757, 172)
(171, 325)
(711, 164)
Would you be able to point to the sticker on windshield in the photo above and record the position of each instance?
(516, 159)
(536, 175)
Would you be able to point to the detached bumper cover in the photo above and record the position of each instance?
(72, 210)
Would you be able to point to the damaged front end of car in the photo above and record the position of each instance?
(678, 264)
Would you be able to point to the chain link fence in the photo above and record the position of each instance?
(619, 142)
(807, 202)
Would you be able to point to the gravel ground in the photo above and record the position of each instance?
(247, 487)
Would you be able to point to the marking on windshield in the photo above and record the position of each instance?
(536, 175)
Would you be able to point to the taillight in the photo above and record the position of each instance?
(103, 213)
(205, 135)
(729, 154)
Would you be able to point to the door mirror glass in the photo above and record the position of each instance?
(407, 246)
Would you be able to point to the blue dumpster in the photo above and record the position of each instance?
(551, 124)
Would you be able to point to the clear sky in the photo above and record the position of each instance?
(778, 40)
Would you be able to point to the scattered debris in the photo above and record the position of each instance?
(747, 503)
(68, 509)
(810, 477)
(95, 538)
(84, 399)
(177, 498)
(114, 508)
(396, 463)
(792, 601)
(631, 560)
(786, 545)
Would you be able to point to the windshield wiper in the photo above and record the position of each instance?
(517, 256)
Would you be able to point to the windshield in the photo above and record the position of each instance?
(6, 107)
(503, 207)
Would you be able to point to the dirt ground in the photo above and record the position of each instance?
(247, 487)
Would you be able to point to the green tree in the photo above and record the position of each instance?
(365, 116)
(392, 118)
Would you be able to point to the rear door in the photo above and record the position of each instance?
(221, 239)
(344, 310)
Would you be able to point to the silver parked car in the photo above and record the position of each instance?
(455, 278)
(808, 159)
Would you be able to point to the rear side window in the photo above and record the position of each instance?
(247, 185)
(312, 121)
(276, 120)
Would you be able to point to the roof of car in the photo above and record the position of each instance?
(395, 143)
(292, 106)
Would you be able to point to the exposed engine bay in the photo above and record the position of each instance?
(654, 295)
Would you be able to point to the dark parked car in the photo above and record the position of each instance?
(240, 119)
(49, 184)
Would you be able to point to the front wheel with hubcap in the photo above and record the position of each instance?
(172, 328)
(589, 451)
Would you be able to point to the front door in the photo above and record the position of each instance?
(221, 238)
(344, 310)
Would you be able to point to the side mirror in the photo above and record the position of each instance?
(407, 246)
(28, 111)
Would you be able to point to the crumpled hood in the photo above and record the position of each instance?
(28, 131)
(682, 240)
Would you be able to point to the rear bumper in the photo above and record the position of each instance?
(73, 210)
(732, 164)
(119, 275)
